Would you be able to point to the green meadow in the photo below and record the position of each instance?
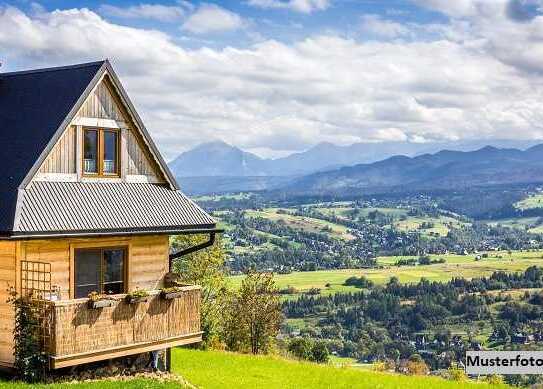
(132, 384)
(331, 281)
(218, 370)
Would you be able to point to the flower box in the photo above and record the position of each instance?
(171, 295)
(102, 303)
(137, 300)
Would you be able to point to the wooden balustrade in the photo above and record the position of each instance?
(80, 334)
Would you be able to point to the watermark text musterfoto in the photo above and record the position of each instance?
(504, 362)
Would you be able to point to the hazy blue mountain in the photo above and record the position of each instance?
(445, 169)
(217, 159)
(220, 159)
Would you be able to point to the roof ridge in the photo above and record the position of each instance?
(53, 69)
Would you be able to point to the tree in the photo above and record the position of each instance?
(205, 268)
(319, 352)
(416, 365)
(305, 348)
(254, 314)
(300, 348)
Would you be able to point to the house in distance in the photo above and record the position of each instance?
(87, 205)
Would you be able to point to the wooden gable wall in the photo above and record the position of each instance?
(62, 158)
(102, 109)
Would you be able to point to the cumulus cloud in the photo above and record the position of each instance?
(460, 8)
(468, 83)
(210, 18)
(158, 12)
(304, 6)
(380, 27)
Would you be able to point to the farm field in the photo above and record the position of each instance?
(531, 224)
(214, 369)
(440, 225)
(456, 266)
(303, 223)
(531, 202)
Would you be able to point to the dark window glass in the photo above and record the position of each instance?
(87, 272)
(99, 270)
(110, 152)
(90, 151)
(113, 271)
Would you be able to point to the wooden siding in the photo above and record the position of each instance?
(147, 264)
(102, 104)
(62, 158)
(147, 259)
(7, 280)
(138, 160)
(80, 332)
(102, 109)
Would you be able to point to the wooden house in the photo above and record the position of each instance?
(87, 204)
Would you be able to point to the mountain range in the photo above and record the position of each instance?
(221, 159)
(443, 170)
(218, 167)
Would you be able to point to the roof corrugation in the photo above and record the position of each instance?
(76, 206)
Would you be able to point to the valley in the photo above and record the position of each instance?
(385, 277)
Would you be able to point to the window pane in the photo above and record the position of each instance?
(90, 151)
(113, 271)
(110, 152)
(87, 272)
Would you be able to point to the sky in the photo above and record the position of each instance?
(279, 76)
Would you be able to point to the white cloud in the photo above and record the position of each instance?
(462, 8)
(159, 12)
(304, 6)
(376, 25)
(481, 78)
(210, 18)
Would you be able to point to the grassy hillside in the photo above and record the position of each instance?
(455, 266)
(132, 384)
(213, 369)
(217, 370)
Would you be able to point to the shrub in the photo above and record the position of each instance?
(30, 358)
(457, 374)
(416, 366)
(319, 352)
(494, 379)
(300, 348)
(305, 348)
(358, 282)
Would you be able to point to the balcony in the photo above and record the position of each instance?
(79, 334)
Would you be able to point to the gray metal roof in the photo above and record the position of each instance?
(76, 207)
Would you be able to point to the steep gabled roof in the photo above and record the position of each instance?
(33, 106)
(36, 106)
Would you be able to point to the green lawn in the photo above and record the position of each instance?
(456, 266)
(132, 384)
(213, 369)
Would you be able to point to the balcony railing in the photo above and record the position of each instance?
(80, 334)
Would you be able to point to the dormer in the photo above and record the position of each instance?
(102, 143)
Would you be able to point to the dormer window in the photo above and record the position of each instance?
(101, 152)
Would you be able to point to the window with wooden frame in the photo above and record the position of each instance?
(101, 152)
(101, 270)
